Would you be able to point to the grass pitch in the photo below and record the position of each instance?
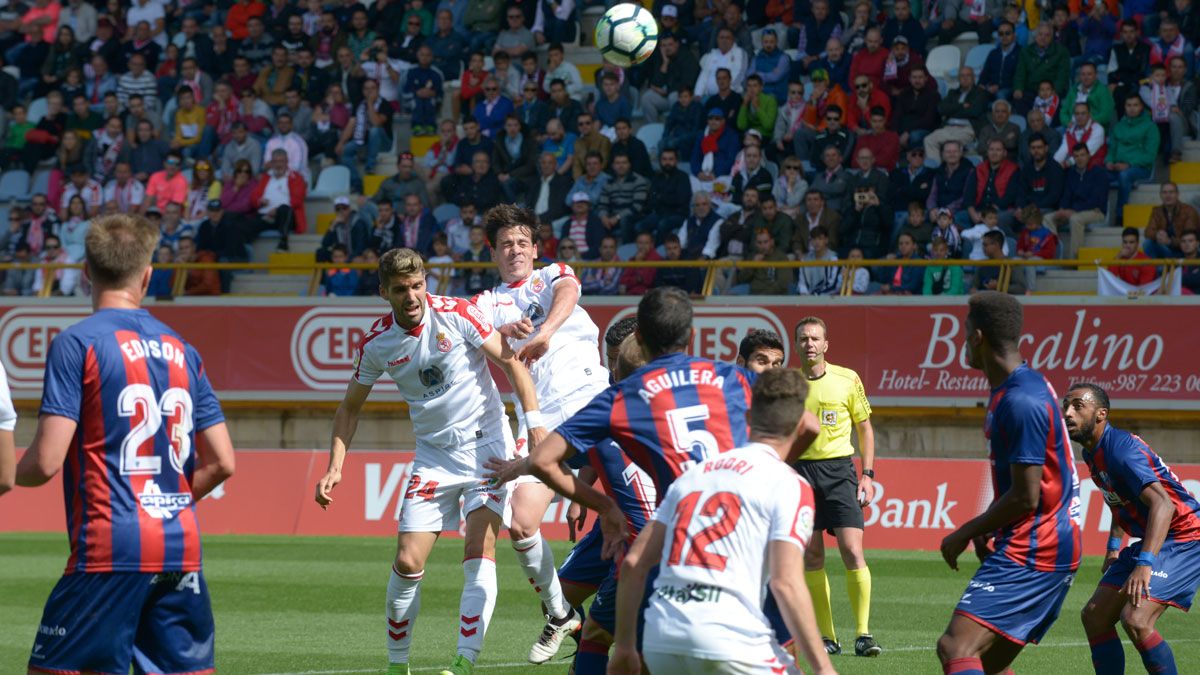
(315, 605)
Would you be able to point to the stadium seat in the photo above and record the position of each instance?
(1137, 215)
(286, 258)
(14, 71)
(36, 111)
(444, 213)
(977, 57)
(14, 186)
(1019, 120)
(324, 220)
(626, 251)
(1185, 173)
(371, 183)
(587, 73)
(943, 61)
(334, 181)
(651, 134)
(1088, 255)
(41, 182)
(419, 145)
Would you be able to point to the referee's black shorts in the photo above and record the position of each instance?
(835, 489)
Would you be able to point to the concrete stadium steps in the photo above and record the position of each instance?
(1066, 281)
(264, 246)
(270, 284)
(1103, 237)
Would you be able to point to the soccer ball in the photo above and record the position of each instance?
(626, 35)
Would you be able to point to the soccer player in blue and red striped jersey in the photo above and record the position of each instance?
(1033, 522)
(123, 402)
(1150, 503)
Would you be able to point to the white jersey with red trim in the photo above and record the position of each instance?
(442, 373)
(572, 360)
(720, 517)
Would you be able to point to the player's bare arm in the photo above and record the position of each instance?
(866, 446)
(643, 555)
(214, 460)
(577, 513)
(345, 422)
(1020, 500)
(498, 352)
(808, 431)
(8, 462)
(546, 460)
(44, 458)
(517, 330)
(1157, 527)
(787, 585)
(1110, 555)
(566, 296)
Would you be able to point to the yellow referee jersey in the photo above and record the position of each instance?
(839, 401)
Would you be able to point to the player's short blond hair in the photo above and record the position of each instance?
(118, 248)
(777, 402)
(400, 262)
(629, 358)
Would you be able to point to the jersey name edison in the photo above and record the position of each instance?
(679, 378)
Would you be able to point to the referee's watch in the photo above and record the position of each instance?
(869, 473)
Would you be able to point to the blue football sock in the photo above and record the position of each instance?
(1108, 656)
(592, 658)
(1157, 655)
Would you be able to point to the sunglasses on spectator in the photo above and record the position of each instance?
(38, 203)
(491, 88)
(1005, 32)
(791, 167)
(833, 118)
(51, 247)
(862, 85)
(414, 23)
(245, 171)
(172, 162)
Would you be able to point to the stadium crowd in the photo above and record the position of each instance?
(814, 130)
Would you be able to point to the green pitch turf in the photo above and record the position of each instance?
(315, 605)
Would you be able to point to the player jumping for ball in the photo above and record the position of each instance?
(538, 313)
(436, 349)
(1148, 502)
(123, 403)
(1033, 523)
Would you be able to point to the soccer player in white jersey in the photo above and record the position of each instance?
(724, 529)
(436, 349)
(538, 312)
(8, 422)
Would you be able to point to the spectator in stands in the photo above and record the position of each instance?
(736, 235)
(395, 188)
(1036, 241)
(912, 183)
(1083, 130)
(138, 81)
(790, 187)
(685, 122)
(963, 112)
(1128, 61)
(448, 45)
(423, 84)
(1181, 95)
(867, 97)
(562, 107)
(864, 223)
(346, 75)
(82, 185)
(223, 235)
(904, 24)
(1036, 125)
(604, 280)
(199, 281)
(1041, 178)
(256, 115)
(561, 144)
(1088, 89)
(583, 227)
(339, 281)
(1171, 42)
(515, 39)
(883, 143)
(758, 109)
(43, 140)
(290, 142)
(637, 281)
(835, 64)
(548, 192)
(170, 223)
(300, 111)
(108, 146)
(726, 56)
(1134, 275)
(417, 226)
(753, 175)
(40, 224)
(903, 279)
(766, 280)
(72, 150)
(192, 137)
(124, 190)
(492, 109)
(242, 147)
(833, 135)
(567, 251)
(987, 277)
(481, 187)
(345, 230)
(1043, 60)
(533, 112)
(279, 196)
(360, 38)
(593, 179)
(623, 200)
(914, 116)
(867, 174)
(275, 78)
(18, 282)
(590, 140)
(825, 280)
(458, 230)
(950, 179)
(972, 235)
(558, 68)
(384, 231)
(612, 105)
(370, 130)
(81, 119)
(995, 182)
(713, 153)
(1085, 198)
(898, 68)
(813, 32)
(772, 65)
(633, 147)
(1134, 149)
(312, 82)
(168, 185)
(14, 137)
(832, 181)
(870, 61)
(915, 224)
(1169, 221)
(942, 279)
(98, 81)
(688, 279)
(483, 278)
(1189, 243)
(390, 59)
(483, 24)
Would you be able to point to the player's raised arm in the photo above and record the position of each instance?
(791, 593)
(643, 555)
(1158, 525)
(546, 463)
(498, 352)
(44, 458)
(214, 460)
(1020, 500)
(566, 297)
(345, 422)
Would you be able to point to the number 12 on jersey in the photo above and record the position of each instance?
(725, 507)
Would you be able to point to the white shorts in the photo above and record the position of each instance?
(661, 663)
(436, 500)
(554, 417)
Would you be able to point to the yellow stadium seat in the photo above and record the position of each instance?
(324, 220)
(282, 258)
(587, 73)
(371, 183)
(1185, 173)
(419, 145)
(1089, 254)
(1138, 215)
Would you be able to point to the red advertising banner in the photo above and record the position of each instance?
(908, 352)
(917, 503)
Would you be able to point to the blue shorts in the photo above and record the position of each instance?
(774, 617)
(584, 566)
(604, 608)
(1175, 575)
(104, 622)
(1014, 601)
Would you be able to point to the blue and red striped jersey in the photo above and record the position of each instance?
(671, 413)
(1025, 426)
(1122, 465)
(629, 486)
(139, 395)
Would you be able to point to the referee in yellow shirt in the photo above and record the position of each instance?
(837, 398)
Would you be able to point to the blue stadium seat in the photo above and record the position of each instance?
(651, 134)
(14, 185)
(41, 182)
(334, 181)
(444, 213)
(977, 57)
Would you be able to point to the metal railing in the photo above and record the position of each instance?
(316, 271)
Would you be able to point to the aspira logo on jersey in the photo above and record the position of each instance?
(324, 343)
(163, 505)
(719, 330)
(25, 336)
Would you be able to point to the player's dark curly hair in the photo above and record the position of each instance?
(998, 316)
(664, 319)
(759, 338)
(503, 216)
(620, 330)
(1097, 391)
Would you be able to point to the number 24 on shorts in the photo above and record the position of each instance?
(417, 491)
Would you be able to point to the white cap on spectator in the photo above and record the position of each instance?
(670, 10)
(580, 197)
(342, 201)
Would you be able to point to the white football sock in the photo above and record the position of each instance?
(475, 608)
(403, 603)
(537, 561)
